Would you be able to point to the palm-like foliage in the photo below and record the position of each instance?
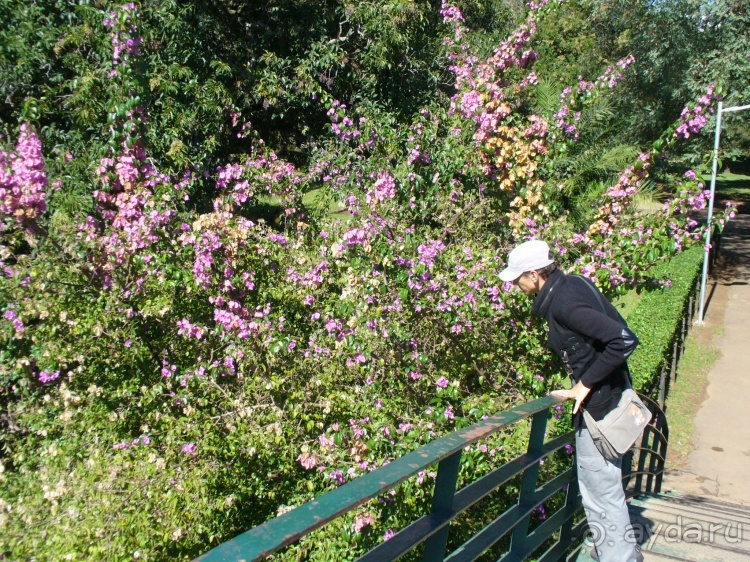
(594, 162)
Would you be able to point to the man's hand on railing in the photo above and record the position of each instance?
(578, 393)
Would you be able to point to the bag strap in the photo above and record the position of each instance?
(598, 295)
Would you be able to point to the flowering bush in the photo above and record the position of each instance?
(23, 183)
(175, 360)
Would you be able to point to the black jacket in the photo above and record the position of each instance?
(594, 344)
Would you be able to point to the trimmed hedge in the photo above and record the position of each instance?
(657, 318)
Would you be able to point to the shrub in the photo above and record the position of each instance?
(657, 319)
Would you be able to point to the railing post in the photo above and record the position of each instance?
(572, 502)
(662, 383)
(528, 486)
(661, 464)
(684, 334)
(442, 501)
(693, 301)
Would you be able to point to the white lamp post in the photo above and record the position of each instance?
(717, 136)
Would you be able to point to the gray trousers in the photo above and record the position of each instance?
(600, 482)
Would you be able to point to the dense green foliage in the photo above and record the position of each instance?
(659, 315)
(251, 252)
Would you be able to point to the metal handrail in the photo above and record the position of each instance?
(432, 529)
(272, 536)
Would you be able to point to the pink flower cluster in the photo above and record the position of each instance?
(311, 278)
(450, 13)
(355, 236)
(260, 173)
(693, 120)
(384, 188)
(236, 318)
(682, 227)
(429, 251)
(475, 79)
(125, 45)
(361, 521)
(363, 234)
(341, 124)
(47, 376)
(189, 330)
(131, 223)
(572, 101)
(17, 324)
(204, 247)
(23, 182)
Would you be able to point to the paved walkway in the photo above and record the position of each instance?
(719, 467)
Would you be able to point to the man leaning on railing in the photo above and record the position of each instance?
(594, 342)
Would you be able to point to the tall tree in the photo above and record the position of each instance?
(725, 28)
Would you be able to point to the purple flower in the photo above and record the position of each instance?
(307, 461)
(189, 448)
(429, 251)
(540, 512)
(45, 376)
(338, 477)
(385, 188)
(278, 238)
(450, 13)
(442, 382)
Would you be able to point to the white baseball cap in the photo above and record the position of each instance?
(529, 256)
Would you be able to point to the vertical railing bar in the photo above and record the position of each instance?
(684, 336)
(627, 466)
(528, 483)
(652, 448)
(652, 466)
(660, 446)
(442, 501)
(694, 300)
(663, 454)
(573, 503)
(692, 308)
(642, 459)
(662, 383)
(654, 461)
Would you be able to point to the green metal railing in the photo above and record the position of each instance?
(559, 528)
